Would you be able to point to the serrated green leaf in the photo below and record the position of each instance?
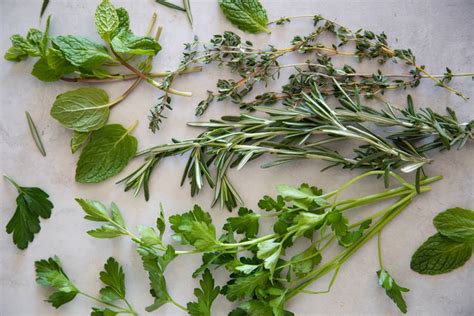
(106, 231)
(78, 139)
(124, 20)
(107, 153)
(103, 312)
(149, 236)
(95, 210)
(106, 20)
(243, 287)
(81, 52)
(126, 42)
(44, 72)
(205, 296)
(32, 203)
(269, 251)
(456, 223)
(246, 223)
(114, 279)
(392, 289)
(439, 254)
(248, 15)
(82, 110)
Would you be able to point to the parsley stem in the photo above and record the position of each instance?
(177, 304)
(379, 249)
(106, 303)
(12, 182)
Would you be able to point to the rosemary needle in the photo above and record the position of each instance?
(35, 134)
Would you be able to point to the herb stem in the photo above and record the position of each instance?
(35, 134)
(379, 249)
(106, 303)
(12, 182)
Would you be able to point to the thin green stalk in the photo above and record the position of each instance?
(107, 303)
(35, 134)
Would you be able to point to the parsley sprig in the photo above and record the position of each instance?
(263, 276)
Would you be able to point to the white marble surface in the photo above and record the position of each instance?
(439, 32)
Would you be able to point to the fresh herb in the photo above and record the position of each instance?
(451, 247)
(32, 203)
(49, 273)
(307, 131)
(261, 277)
(189, 13)
(35, 134)
(113, 146)
(43, 7)
(248, 15)
(185, 8)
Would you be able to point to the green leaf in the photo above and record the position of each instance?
(15, 54)
(128, 43)
(107, 153)
(439, 254)
(205, 296)
(78, 139)
(124, 20)
(44, 72)
(114, 279)
(57, 63)
(95, 210)
(248, 15)
(269, 251)
(82, 52)
(106, 231)
(456, 223)
(83, 109)
(268, 204)
(246, 223)
(32, 203)
(106, 20)
(243, 287)
(149, 236)
(50, 273)
(103, 312)
(392, 289)
(304, 262)
(253, 308)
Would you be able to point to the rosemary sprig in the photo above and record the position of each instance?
(307, 132)
(35, 134)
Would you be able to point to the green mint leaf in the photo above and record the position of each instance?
(124, 21)
(83, 109)
(114, 279)
(392, 289)
(246, 223)
(126, 42)
(43, 71)
(439, 254)
(248, 15)
(50, 273)
(456, 223)
(304, 262)
(81, 52)
(32, 203)
(58, 63)
(106, 20)
(78, 139)
(243, 287)
(205, 296)
(107, 153)
(15, 54)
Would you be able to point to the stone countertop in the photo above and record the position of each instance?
(439, 33)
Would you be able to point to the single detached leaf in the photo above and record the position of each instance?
(248, 15)
(82, 110)
(32, 203)
(456, 223)
(107, 153)
(106, 20)
(114, 279)
(392, 289)
(127, 42)
(50, 273)
(78, 139)
(81, 52)
(439, 254)
(205, 296)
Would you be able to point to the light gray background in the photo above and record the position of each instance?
(439, 32)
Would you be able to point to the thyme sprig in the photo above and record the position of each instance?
(307, 131)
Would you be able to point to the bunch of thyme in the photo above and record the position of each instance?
(307, 131)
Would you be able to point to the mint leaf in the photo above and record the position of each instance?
(83, 109)
(22, 47)
(107, 153)
(456, 223)
(124, 20)
(205, 296)
(78, 139)
(392, 289)
(50, 273)
(81, 52)
(32, 203)
(248, 15)
(106, 20)
(246, 223)
(439, 254)
(44, 72)
(128, 43)
(114, 279)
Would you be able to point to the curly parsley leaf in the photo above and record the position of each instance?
(248, 15)
(32, 203)
(456, 224)
(440, 254)
(50, 273)
(205, 296)
(109, 150)
(392, 289)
